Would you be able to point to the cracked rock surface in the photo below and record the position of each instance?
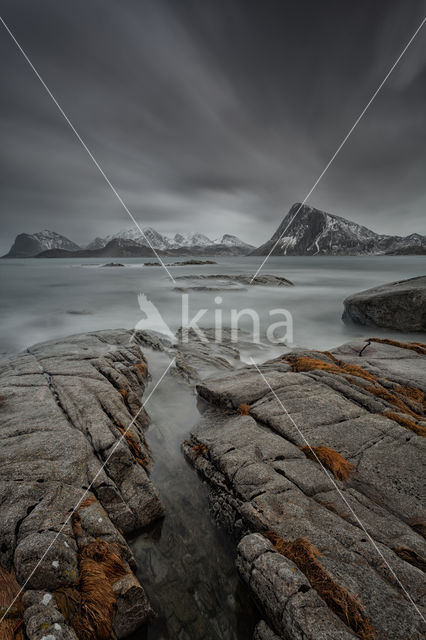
(65, 405)
(367, 528)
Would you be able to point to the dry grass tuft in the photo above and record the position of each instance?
(87, 502)
(11, 628)
(107, 555)
(89, 607)
(142, 368)
(337, 464)
(68, 602)
(305, 556)
(97, 603)
(412, 557)
(200, 449)
(302, 364)
(407, 399)
(244, 409)
(406, 422)
(392, 397)
(413, 393)
(419, 347)
(134, 447)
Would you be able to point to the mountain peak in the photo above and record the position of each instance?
(27, 245)
(309, 231)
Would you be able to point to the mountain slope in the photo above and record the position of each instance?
(315, 232)
(27, 245)
(229, 240)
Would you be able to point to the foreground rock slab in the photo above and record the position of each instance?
(398, 305)
(315, 468)
(65, 405)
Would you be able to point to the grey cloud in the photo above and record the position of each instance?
(210, 115)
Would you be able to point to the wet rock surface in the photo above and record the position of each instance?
(66, 405)
(367, 525)
(113, 264)
(223, 282)
(397, 305)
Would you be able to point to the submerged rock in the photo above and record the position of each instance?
(398, 305)
(218, 282)
(184, 263)
(67, 404)
(325, 558)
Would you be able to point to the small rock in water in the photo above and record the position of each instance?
(113, 264)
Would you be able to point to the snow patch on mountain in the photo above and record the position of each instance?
(151, 237)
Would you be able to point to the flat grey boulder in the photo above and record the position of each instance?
(357, 507)
(66, 405)
(398, 305)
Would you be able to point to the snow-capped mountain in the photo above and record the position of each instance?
(27, 245)
(187, 241)
(309, 231)
(127, 242)
(191, 240)
(149, 237)
(232, 241)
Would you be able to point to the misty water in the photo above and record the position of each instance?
(185, 562)
(43, 299)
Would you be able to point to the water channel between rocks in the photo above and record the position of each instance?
(185, 562)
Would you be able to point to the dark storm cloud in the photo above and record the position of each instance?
(212, 116)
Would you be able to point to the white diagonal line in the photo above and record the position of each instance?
(86, 148)
(345, 139)
(143, 405)
(334, 483)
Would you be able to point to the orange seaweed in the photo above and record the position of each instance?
(305, 555)
(419, 347)
(336, 463)
(11, 628)
(405, 422)
(301, 364)
(243, 409)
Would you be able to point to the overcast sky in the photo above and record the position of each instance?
(211, 115)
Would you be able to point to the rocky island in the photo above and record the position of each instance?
(312, 463)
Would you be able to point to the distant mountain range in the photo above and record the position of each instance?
(125, 243)
(313, 232)
(305, 233)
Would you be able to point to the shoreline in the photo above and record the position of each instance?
(87, 389)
